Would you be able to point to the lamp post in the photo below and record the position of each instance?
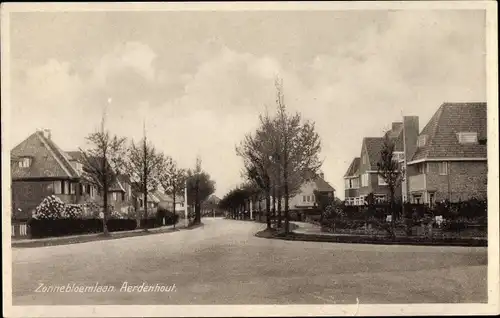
(186, 204)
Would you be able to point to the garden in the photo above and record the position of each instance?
(443, 220)
(52, 217)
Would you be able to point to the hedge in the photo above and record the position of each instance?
(61, 227)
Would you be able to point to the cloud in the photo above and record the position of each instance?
(203, 103)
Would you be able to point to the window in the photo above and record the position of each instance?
(364, 180)
(364, 159)
(443, 168)
(57, 187)
(347, 184)
(421, 140)
(467, 137)
(114, 196)
(123, 196)
(381, 181)
(354, 183)
(380, 198)
(303, 198)
(87, 189)
(25, 162)
(421, 168)
(72, 188)
(140, 203)
(417, 198)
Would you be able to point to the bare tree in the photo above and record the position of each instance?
(173, 180)
(145, 164)
(392, 173)
(300, 148)
(102, 161)
(199, 188)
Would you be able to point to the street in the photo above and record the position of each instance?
(224, 263)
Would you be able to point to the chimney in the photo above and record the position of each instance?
(46, 133)
(410, 135)
(396, 125)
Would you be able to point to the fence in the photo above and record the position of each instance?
(19, 229)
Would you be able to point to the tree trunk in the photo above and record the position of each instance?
(393, 214)
(174, 189)
(268, 210)
(105, 231)
(279, 208)
(287, 217)
(274, 204)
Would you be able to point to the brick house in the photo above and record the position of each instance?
(450, 160)
(361, 177)
(39, 168)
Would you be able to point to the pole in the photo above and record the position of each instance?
(186, 205)
(251, 210)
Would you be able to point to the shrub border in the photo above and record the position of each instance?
(359, 239)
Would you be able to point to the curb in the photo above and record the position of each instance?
(67, 240)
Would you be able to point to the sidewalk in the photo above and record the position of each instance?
(50, 241)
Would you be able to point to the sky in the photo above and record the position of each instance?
(199, 80)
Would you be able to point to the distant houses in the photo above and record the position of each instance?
(446, 161)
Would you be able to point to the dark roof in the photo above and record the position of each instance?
(373, 146)
(322, 185)
(442, 129)
(48, 160)
(353, 167)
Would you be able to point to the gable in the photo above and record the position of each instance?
(442, 129)
(46, 163)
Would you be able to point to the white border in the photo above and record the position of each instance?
(492, 307)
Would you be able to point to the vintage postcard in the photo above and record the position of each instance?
(250, 159)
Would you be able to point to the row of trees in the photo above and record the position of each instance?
(109, 155)
(278, 158)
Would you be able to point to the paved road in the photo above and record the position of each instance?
(223, 263)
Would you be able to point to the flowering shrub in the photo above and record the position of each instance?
(51, 207)
(114, 214)
(91, 209)
(73, 211)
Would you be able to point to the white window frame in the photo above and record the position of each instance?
(347, 183)
(364, 179)
(57, 187)
(443, 168)
(114, 196)
(381, 181)
(25, 162)
(72, 188)
(465, 137)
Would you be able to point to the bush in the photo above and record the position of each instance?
(73, 211)
(50, 208)
(60, 227)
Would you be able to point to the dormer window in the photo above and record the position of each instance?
(422, 140)
(467, 137)
(24, 162)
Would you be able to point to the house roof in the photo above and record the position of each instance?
(353, 167)
(162, 196)
(322, 185)
(48, 160)
(441, 132)
(373, 146)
